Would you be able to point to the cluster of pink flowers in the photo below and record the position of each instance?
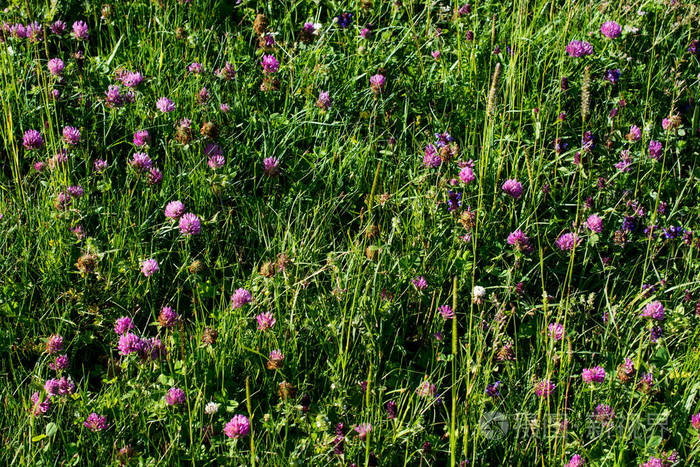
(595, 374)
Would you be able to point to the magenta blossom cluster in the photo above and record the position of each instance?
(240, 298)
(611, 30)
(377, 83)
(55, 66)
(270, 64)
(71, 135)
(54, 344)
(115, 98)
(654, 310)
(39, 406)
(544, 388)
(237, 427)
(96, 422)
(190, 224)
(446, 312)
(466, 175)
(141, 138)
(431, 158)
(265, 321)
(555, 331)
(123, 325)
(165, 105)
(595, 374)
(568, 241)
(594, 223)
(512, 188)
(175, 396)
(520, 241)
(168, 317)
(129, 343)
(174, 209)
(59, 387)
(420, 283)
(579, 49)
(149, 267)
(32, 140)
(363, 429)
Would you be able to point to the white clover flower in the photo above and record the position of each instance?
(478, 294)
(211, 408)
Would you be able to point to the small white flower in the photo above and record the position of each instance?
(211, 408)
(478, 292)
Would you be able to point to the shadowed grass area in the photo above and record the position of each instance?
(409, 233)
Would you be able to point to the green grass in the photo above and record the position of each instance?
(358, 215)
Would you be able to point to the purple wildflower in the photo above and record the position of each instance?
(492, 389)
(446, 312)
(80, 30)
(431, 158)
(141, 162)
(54, 344)
(344, 20)
(695, 421)
(555, 331)
(575, 461)
(594, 223)
(512, 188)
(195, 67)
(654, 310)
(655, 148)
(265, 321)
(237, 427)
(39, 407)
(216, 161)
(65, 386)
(613, 76)
(420, 283)
(567, 241)
(635, 133)
(271, 166)
(175, 396)
(579, 49)
(141, 138)
(76, 191)
(391, 408)
(174, 209)
(96, 422)
(51, 387)
(377, 83)
(324, 100)
(190, 224)
(625, 161)
(362, 430)
(165, 105)
(71, 135)
(240, 298)
(595, 374)
(61, 362)
(168, 317)
(32, 139)
(58, 27)
(149, 267)
(544, 388)
(56, 66)
(466, 175)
(520, 241)
(270, 64)
(611, 29)
(123, 325)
